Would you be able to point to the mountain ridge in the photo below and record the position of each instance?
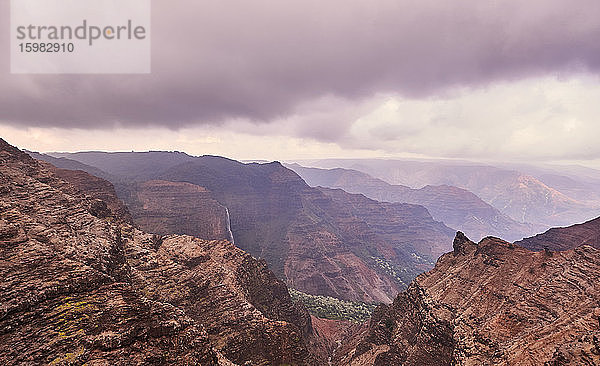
(517, 194)
(565, 238)
(456, 207)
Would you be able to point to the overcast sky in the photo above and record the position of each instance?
(472, 79)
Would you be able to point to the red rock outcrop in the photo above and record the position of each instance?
(565, 238)
(94, 187)
(491, 303)
(79, 287)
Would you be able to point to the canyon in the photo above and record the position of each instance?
(84, 283)
(318, 241)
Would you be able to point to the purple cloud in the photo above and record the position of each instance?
(260, 60)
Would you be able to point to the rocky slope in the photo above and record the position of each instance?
(334, 333)
(456, 207)
(163, 207)
(313, 240)
(491, 303)
(78, 286)
(565, 238)
(521, 196)
(95, 187)
(345, 245)
(409, 226)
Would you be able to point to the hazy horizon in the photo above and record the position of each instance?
(305, 160)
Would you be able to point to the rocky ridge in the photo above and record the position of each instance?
(456, 207)
(94, 187)
(490, 303)
(565, 238)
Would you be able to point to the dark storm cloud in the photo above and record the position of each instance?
(260, 60)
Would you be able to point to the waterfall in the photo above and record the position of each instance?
(229, 226)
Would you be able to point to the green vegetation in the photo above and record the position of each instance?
(391, 270)
(332, 308)
(402, 275)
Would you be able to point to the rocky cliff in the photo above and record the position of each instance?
(164, 207)
(79, 287)
(565, 238)
(94, 187)
(350, 247)
(490, 303)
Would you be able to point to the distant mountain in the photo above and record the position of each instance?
(565, 238)
(81, 286)
(491, 303)
(454, 206)
(69, 164)
(137, 167)
(314, 239)
(578, 182)
(521, 196)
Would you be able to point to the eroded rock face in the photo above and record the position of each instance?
(360, 249)
(491, 303)
(163, 208)
(94, 187)
(245, 310)
(79, 287)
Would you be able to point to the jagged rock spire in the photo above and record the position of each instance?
(460, 242)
